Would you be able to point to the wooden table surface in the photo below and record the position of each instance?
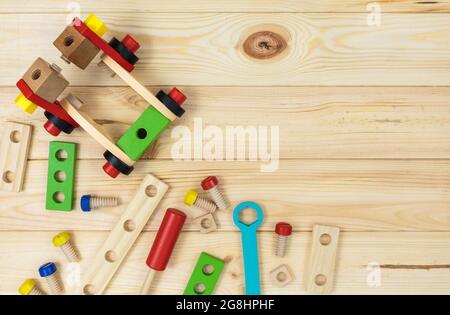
(364, 118)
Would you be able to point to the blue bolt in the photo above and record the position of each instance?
(86, 203)
(47, 269)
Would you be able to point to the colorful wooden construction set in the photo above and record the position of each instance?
(42, 86)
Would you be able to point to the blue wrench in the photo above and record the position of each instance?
(249, 246)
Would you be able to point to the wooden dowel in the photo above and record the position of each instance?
(148, 281)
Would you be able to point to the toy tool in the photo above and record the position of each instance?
(163, 245)
(122, 237)
(283, 231)
(249, 246)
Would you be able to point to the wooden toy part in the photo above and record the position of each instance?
(70, 105)
(281, 276)
(206, 223)
(163, 245)
(54, 108)
(142, 133)
(60, 176)
(123, 235)
(205, 275)
(75, 48)
(14, 147)
(45, 80)
(138, 87)
(101, 44)
(320, 270)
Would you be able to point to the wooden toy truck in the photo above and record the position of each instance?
(79, 43)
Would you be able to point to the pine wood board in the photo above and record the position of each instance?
(409, 263)
(314, 122)
(100, 6)
(205, 48)
(356, 195)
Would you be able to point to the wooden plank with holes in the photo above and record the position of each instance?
(321, 268)
(15, 143)
(123, 235)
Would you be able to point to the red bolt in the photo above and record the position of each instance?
(130, 43)
(111, 170)
(177, 96)
(283, 230)
(210, 184)
(51, 128)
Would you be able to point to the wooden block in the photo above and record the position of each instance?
(142, 133)
(45, 80)
(93, 129)
(75, 47)
(281, 276)
(206, 223)
(14, 147)
(60, 176)
(95, 39)
(123, 235)
(320, 269)
(138, 87)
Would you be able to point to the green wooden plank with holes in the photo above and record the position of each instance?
(205, 275)
(143, 132)
(60, 177)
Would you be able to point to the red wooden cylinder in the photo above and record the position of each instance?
(169, 230)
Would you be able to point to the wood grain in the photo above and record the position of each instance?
(205, 48)
(366, 195)
(409, 263)
(364, 122)
(314, 122)
(101, 6)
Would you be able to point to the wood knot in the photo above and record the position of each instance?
(264, 45)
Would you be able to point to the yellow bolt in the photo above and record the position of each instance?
(28, 287)
(62, 240)
(25, 104)
(96, 25)
(192, 198)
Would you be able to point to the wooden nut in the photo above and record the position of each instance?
(206, 223)
(45, 80)
(281, 276)
(75, 47)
